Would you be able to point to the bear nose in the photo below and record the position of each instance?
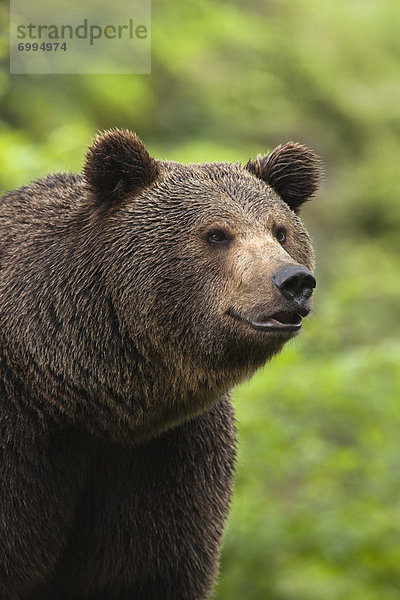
(295, 282)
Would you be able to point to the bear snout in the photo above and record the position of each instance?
(296, 284)
(264, 309)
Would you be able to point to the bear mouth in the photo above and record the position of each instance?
(282, 321)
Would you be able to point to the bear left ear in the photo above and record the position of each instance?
(292, 170)
(118, 165)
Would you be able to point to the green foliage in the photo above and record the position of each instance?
(316, 512)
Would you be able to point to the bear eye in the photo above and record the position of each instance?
(280, 235)
(218, 237)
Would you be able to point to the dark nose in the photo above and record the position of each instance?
(295, 282)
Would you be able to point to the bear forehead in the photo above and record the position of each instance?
(225, 187)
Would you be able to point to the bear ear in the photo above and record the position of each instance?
(117, 165)
(292, 170)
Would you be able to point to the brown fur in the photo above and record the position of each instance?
(117, 350)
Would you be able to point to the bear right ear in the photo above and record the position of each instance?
(292, 170)
(118, 165)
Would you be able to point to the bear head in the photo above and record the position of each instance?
(209, 266)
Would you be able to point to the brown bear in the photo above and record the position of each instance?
(132, 298)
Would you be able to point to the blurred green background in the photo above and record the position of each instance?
(316, 512)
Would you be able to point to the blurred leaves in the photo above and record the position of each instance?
(316, 512)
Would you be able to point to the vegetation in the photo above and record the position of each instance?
(316, 512)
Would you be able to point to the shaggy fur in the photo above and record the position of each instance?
(118, 348)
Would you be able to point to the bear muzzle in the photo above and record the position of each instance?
(295, 284)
